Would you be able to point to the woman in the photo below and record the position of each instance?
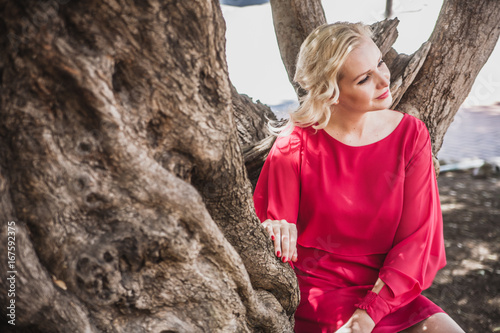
(348, 193)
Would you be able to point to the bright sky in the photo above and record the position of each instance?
(255, 65)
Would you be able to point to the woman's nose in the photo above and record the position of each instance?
(384, 78)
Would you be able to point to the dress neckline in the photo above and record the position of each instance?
(370, 144)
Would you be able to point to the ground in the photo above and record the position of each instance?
(468, 288)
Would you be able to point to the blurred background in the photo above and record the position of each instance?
(256, 69)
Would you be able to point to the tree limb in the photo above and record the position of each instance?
(464, 36)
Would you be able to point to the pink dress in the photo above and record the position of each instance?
(361, 213)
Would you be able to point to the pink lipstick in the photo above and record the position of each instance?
(384, 95)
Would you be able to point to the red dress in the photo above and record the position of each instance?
(361, 213)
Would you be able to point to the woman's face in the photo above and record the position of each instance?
(365, 78)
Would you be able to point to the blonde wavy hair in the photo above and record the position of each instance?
(318, 70)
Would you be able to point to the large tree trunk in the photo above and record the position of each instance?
(122, 171)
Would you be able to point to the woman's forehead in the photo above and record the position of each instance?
(363, 58)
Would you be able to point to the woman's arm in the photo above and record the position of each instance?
(277, 194)
(360, 321)
(418, 247)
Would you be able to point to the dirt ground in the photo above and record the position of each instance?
(468, 288)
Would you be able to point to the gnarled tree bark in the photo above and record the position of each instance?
(123, 161)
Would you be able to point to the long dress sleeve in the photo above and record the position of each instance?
(418, 247)
(277, 192)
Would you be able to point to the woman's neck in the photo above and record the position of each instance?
(362, 128)
(349, 123)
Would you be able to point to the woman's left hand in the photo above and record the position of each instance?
(360, 322)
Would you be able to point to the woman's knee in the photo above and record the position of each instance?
(437, 323)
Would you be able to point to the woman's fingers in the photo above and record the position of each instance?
(293, 242)
(285, 241)
(267, 224)
(294, 256)
(277, 240)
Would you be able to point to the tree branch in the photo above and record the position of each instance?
(293, 21)
(464, 36)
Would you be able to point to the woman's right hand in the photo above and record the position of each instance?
(284, 235)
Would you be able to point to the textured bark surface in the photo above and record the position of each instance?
(254, 136)
(293, 21)
(385, 34)
(403, 69)
(122, 169)
(251, 118)
(464, 37)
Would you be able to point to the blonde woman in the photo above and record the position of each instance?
(348, 193)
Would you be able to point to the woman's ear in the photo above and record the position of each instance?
(331, 100)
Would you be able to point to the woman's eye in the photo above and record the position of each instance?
(380, 63)
(364, 80)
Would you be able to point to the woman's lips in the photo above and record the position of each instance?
(384, 95)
